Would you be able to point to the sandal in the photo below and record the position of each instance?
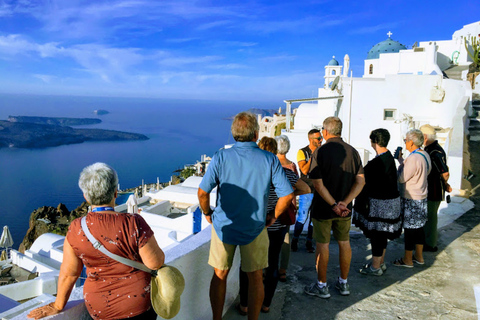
(282, 277)
(399, 263)
(238, 307)
(414, 259)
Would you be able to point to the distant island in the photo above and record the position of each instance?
(101, 112)
(54, 121)
(15, 134)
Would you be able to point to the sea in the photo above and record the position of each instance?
(179, 132)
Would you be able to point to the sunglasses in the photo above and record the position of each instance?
(319, 138)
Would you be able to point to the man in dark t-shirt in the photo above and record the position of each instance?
(337, 174)
(437, 185)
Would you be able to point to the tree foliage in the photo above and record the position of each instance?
(187, 172)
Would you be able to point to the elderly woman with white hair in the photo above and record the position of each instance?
(112, 289)
(283, 146)
(413, 188)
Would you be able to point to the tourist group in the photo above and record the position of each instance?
(257, 186)
(256, 205)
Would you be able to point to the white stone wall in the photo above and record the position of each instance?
(419, 61)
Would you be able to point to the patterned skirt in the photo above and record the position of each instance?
(414, 213)
(383, 216)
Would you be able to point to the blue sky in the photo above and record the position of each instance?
(228, 50)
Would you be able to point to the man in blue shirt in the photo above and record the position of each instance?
(243, 175)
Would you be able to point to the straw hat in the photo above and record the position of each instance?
(166, 289)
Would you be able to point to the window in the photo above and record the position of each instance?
(333, 72)
(389, 114)
(370, 70)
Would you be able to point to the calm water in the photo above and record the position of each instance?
(179, 131)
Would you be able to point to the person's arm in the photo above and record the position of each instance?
(204, 201)
(301, 188)
(281, 207)
(323, 192)
(340, 209)
(152, 255)
(445, 176)
(70, 270)
(305, 166)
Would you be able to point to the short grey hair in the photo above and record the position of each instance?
(98, 183)
(333, 125)
(431, 137)
(283, 144)
(244, 127)
(416, 136)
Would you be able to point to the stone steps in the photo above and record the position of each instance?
(474, 127)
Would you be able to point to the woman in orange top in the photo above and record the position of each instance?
(112, 290)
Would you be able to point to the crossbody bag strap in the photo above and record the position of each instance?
(428, 167)
(97, 245)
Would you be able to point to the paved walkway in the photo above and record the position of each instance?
(442, 289)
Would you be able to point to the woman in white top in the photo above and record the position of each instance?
(412, 180)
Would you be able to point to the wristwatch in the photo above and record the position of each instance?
(209, 213)
(333, 205)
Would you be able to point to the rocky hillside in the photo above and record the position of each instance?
(50, 220)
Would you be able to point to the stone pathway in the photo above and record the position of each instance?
(442, 289)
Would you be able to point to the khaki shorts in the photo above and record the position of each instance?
(254, 256)
(340, 227)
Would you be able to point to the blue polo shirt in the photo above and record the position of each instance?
(243, 175)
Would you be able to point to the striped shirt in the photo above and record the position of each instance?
(272, 199)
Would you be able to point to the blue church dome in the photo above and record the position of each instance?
(333, 62)
(387, 46)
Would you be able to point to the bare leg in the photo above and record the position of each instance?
(382, 261)
(376, 262)
(407, 258)
(345, 258)
(419, 252)
(256, 293)
(218, 289)
(322, 253)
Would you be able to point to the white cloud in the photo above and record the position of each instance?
(5, 9)
(214, 24)
(181, 61)
(101, 18)
(15, 44)
(228, 66)
(305, 25)
(44, 77)
(181, 40)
